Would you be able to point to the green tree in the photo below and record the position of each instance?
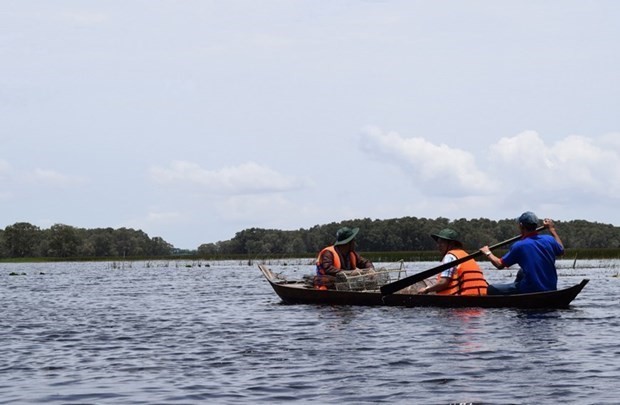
(104, 242)
(63, 241)
(159, 247)
(22, 239)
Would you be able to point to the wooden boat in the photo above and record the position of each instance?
(298, 292)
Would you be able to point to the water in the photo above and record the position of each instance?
(173, 332)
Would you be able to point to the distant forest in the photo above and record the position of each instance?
(407, 234)
(22, 240)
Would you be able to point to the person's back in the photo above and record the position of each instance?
(535, 254)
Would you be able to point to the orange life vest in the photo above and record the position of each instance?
(337, 264)
(324, 281)
(467, 279)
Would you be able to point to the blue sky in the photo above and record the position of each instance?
(193, 120)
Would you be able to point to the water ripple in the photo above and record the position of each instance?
(88, 333)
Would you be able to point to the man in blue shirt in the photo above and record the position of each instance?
(534, 253)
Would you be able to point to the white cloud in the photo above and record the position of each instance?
(439, 169)
(247, 178)
(572, 177)
(570, 167)
(527, 148)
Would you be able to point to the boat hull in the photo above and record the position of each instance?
(296, 292)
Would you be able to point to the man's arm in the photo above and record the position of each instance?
(548, 223)
(363, 263)
(495, 261)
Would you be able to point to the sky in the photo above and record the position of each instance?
(194, 120)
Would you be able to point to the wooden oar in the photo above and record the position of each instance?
(407, 281)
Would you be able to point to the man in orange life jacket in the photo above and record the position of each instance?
(340, 259)
(463, 279)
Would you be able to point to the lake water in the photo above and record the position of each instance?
(182, 332)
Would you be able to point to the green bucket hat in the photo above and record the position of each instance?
(345, 235)
(447, 234)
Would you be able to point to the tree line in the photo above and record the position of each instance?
(404, 235)
(23, 239)
(407, 234)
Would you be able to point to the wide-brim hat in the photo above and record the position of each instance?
(345, 235)
(446, 234)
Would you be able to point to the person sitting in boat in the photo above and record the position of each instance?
(535, 254)
(463, 279)
(340, 259)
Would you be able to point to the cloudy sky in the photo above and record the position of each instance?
(193, 120)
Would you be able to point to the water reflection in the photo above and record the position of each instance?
(469, 327)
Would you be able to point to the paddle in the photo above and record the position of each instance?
(407, 281)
